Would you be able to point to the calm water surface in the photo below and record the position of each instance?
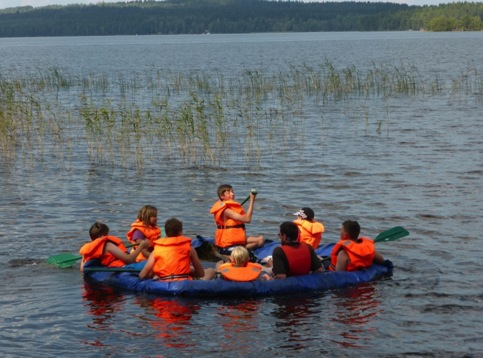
(422, 171)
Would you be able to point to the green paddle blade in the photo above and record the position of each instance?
(392, 234)
(67, 260)
(63, 260)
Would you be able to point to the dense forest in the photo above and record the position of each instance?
(143, 17)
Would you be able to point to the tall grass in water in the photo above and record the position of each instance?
(8, 114)
(22, 126)
(195, 118)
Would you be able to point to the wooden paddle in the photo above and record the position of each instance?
(67, 260)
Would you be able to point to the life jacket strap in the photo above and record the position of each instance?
(172, 276)
(239, 226)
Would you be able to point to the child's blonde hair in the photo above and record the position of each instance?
(239, 256)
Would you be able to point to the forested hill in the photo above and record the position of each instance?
(234, 16)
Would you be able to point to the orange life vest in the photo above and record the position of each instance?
(172, 258)
(310, 232)
(299, 259)
(151, 233)
(95, 250)
(361, 253)
(230, 232)
(241, 274)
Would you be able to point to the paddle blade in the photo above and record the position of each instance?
(63, 260)
(392, 234)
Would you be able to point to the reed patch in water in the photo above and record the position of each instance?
(202, 118)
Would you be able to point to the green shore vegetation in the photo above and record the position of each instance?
(235, 16)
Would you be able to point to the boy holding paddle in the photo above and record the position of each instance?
(230, 219)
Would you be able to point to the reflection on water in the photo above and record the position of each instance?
(355, 308)
(103, 303)
(239, 324)
(294, 322)
(170, 318)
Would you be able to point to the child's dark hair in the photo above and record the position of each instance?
(352, 228)
(98, 230)
(173, 227)
(291, 230)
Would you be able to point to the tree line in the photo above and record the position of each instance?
(145, 17)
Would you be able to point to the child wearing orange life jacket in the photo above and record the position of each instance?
(230, 219)
(108, 250)
(310, 230)
(352, 252)
(145, 227)
(173, 257)
(239, 269)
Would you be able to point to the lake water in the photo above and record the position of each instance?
(414, 161)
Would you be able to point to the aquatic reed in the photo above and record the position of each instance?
(200, 118)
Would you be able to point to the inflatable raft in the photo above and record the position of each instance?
(221, 288)
(123, 279)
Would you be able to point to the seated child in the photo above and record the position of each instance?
(173, 258)
(240, 269)
(310, 230)
(108, 250)
(145, 227)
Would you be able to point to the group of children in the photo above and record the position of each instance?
(170, 257)
(167, 257)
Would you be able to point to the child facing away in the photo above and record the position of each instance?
(239, 268)
(310, 230)
(108, 250)
(352, 252)
(173, 258)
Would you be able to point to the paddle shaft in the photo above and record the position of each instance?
(254, 192)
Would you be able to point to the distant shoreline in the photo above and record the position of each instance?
(234, 16)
